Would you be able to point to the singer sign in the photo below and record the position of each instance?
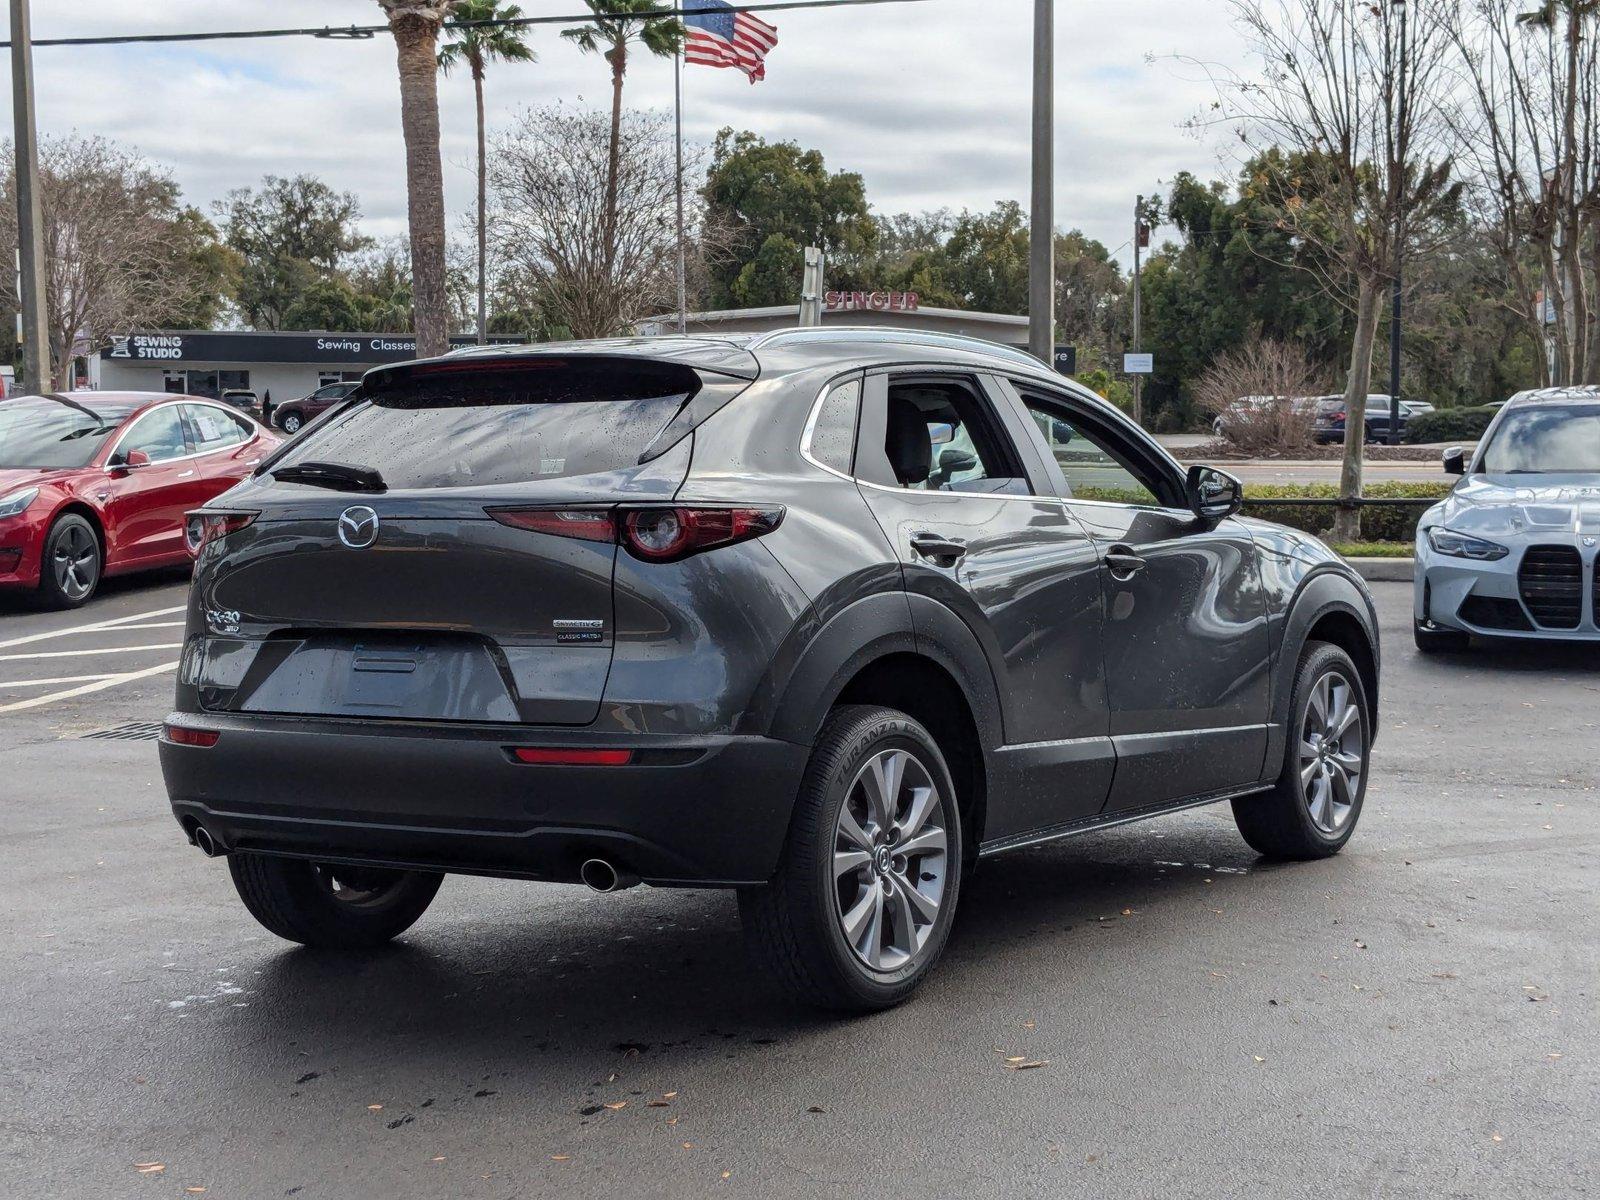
(870, 302)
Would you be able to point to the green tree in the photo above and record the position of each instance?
(476, 46)
(288, 235)
(615, 26)
(757, 190)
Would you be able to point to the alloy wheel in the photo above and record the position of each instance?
(75, 559)
(890, 860)
(1332, 752)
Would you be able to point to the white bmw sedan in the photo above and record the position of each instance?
(1510, 553)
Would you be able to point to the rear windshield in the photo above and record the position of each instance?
(545, 420)
(46, 432)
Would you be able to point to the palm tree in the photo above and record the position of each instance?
(477, 46)
(615, 24)
(415, 25)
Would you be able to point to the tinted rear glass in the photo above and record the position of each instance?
(546, 420)
(41, 432)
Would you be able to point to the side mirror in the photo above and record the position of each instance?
(1455, 461)
(131, 461)
(940, 432)
(1213, 494)
(1061, 432)
(953, 460)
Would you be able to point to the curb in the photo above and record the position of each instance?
(1383, 570)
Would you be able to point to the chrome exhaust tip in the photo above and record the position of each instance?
(205, 843)
(601, 876)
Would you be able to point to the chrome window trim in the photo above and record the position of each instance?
(177, 400)
(816, 410)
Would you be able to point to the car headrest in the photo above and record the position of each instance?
(908, 443)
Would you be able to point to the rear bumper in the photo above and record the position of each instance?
(710, 811)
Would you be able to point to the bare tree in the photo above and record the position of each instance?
(415, 25)
(1263, 393)
(548, 181)
(1527, 139)
(119, 252)
(1356, 107)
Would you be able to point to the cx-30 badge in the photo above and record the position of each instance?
(358, 527)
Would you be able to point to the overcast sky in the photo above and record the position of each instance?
(928, 101)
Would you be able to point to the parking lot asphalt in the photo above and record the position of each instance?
(1416, 1017)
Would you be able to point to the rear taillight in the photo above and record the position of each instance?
(200, 528)
(662, 533)
(183, 735)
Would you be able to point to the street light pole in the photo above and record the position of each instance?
(1399, 238)
(1138, 315)
(1041, 227)
(34, 333)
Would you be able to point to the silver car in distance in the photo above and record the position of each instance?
(1510, 553)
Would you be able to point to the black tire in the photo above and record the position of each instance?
(340, 908)
(793, 925)
(1279, 823)
(1367, 435)
(291, 422)
(1435, 639)
(69, 573)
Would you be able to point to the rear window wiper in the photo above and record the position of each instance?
(340, 477)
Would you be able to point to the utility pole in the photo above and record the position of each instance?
(34, 333)
(1399, 240)
(1139, 236)
(1041, 224)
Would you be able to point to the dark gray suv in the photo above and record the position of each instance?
(825, 616)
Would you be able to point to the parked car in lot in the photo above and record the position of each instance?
(1510, 553)
(1248, 408)
(823, 616)
(294, 415)
(97, 483)
(1329, 423)
(243, 398)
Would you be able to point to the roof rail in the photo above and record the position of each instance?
(916, 337)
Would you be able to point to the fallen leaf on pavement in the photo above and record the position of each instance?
(616, 1105)
(150, 1168)
(1027, 1066)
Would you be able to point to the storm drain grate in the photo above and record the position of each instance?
(135, 731)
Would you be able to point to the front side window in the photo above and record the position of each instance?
(1558, 439)
(1095, 468)
(159, 434)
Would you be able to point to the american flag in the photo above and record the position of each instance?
(720, 37)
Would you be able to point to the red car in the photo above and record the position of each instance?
(97, 483)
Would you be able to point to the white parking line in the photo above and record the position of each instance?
(27, 683)
(83, 653)
(96, 627)
(84, 689)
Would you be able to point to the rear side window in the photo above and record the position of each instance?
(833, 436)
(497, 424)
(213, 428)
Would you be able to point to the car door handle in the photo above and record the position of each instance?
(1123, 562)
(932, 545)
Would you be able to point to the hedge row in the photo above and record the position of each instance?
(1378, 524)
(1397, 523)
(1449, 425)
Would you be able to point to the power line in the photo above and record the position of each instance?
(366, 32)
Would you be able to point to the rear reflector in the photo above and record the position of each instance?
(182, 735)
(589, 524)
(545, 756)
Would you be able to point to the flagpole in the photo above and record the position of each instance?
(677, 107)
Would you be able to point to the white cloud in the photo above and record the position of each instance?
(929, 101)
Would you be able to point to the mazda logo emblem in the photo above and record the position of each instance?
(358, 527)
